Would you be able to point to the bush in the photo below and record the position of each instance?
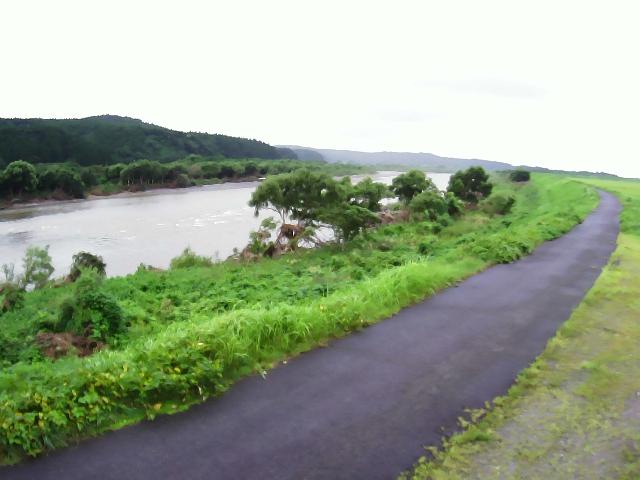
(519, 175)
(90, 311)
(86, 260)
(183, 181)
(88, 178)
(502, 247)
(470, 185)
(498, 204)
(454, 204)
(188, 258)
(11, 296)
(426, 246)
(428, 203)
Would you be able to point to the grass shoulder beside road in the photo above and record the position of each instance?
(575, 412)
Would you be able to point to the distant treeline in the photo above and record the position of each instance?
(23, 180)
(108, 139)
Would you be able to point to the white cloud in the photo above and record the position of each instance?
(548, 83)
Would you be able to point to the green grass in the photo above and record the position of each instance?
(575, 412)
(195, 331)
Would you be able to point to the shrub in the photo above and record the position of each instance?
(88, 178)
(428, 203)
(188, 258)
(426, 246)
(502, 247)
(519, 175)
(11, 296)
(90, 311)
(498, 204)
(86, 260)
(470, 185)
(183, 181)
(454, 204)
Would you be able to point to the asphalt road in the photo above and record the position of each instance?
(364, 406)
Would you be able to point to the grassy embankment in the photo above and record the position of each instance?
(575, 412)
(193, 332)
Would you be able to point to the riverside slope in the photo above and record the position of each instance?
(364, 406)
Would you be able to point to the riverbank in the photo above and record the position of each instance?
(193, 332)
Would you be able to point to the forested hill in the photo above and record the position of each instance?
(427, 161)
(110, 139)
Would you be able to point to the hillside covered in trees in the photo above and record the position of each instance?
(110, 139)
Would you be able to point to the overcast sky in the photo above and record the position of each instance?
(550, 83)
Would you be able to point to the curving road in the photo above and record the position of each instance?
(363, 407)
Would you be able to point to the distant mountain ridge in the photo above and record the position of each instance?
(108, 139)
(427, 161)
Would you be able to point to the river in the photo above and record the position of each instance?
(149, 227)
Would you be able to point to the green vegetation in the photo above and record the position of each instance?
(177, 337)
(109, 139)
(64, 159)
(85, 261)
(520, 175)
(22, 181)
(316, 200)
(575, 412)
(410, 184)
(470, 185)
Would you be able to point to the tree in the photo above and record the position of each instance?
(62, 178)
(470, 185)
(37, 267)
(113, 172)
(409, 184)
(88, 178)
(250, 169)
(519, 175)
(19, 177)
(368, 194)
(229, 170)
(299, 195)
(86, 260)
(348, 220)
(144, 172)
(429, 203)
(210, 170)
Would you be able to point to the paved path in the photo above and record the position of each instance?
(363, 407)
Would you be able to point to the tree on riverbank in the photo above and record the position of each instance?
(314, 200)
(470, 185)
(409, 184)
(18, 177)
